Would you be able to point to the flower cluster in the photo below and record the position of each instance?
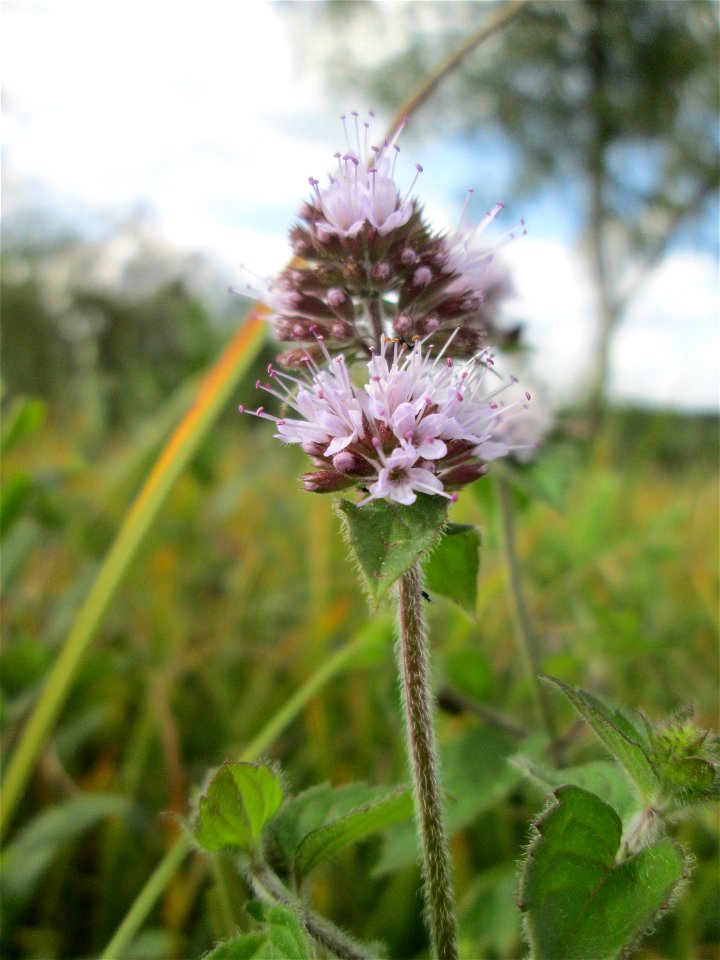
(421, 423)
(368, 266)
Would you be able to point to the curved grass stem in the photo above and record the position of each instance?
(210, 400)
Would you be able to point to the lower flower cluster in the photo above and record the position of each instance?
(420, 423)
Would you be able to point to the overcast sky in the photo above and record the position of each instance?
(195, 113)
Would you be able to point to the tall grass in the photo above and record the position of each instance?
(241, 591)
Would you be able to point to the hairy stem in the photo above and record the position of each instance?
(413, 664)
(267, 883)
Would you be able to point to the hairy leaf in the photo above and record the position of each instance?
(281, 938)
(386, 538)
(240, 799)
(578, 901)
(601, 777)
(313, 825)
(321, 844)
(619, 737)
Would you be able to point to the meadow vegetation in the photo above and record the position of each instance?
(242, 589)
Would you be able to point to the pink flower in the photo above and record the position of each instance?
(418, 424)
(473, 261)
(362, 189)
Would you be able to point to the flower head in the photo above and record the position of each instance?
(369, 266)
(419, 423)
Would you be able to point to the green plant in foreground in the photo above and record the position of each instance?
(598, 874)
(377, 283)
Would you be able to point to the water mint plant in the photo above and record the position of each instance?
(379, 289)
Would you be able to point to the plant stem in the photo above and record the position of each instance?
(376, 320)
(501, 18)
(413, 665)
(265, 881)
(527, 640)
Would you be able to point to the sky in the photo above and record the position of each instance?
(196, 115)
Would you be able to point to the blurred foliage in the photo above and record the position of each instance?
(104, 333)
(242, 588)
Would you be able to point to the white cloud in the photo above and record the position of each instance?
(666, 351)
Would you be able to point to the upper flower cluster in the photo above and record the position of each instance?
(420, 423)
(370, 266)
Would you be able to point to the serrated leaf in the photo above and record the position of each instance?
(281, 938)
(241, 798)
(578, 902)
(452, 567)
(387, 538)
(320, 844)
(617, 737)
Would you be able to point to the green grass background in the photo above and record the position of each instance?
(243, 587)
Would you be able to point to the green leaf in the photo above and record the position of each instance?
(487, 914)
(15, 491)
(246, 947)
(281, 938)
(241, 798)
(25, 416)
(386, 538)
(578, 901)
(470, 672)
(319, 845)
(620, 738)
(25, 859)
(322, 808)
(601, 777)
(475, 776)
(452, 567)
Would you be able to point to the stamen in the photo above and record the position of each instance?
(419, 170)
(464, 207)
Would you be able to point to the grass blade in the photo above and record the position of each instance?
(212, 396)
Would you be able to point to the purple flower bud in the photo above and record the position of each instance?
(381, 270)
(336, 297)
(402, 323)
(422, 277)
(324, 481)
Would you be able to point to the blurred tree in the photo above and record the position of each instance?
(107, 330)
(617, 99)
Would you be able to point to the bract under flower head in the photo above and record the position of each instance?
(419, 423)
